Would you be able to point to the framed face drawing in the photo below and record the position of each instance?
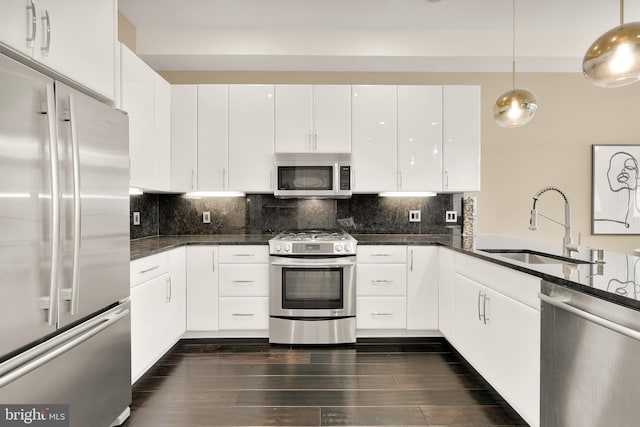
(615, 201)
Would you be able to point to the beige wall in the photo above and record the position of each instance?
(553, 149)
(126, 32)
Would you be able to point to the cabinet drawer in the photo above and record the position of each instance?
(147, 268)
(244, 313)
(244, 254)
(381, 279)
(381, 313)
(387, 254)
(244, 280)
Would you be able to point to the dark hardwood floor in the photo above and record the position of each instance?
(372, 383)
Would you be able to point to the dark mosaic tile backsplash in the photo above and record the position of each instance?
(168, 214)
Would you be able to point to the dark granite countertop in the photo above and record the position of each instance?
(616, 280)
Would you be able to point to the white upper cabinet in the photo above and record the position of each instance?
(184, 137)
(162, 133)
(138, 94)
(251, 135)
(461, 138)
(374, 138)
(213, 138)
(419, 138)
(146, 97)
(313, 118)
(76, 38)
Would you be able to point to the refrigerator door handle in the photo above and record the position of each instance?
(50, 302)
(77, 206)
(28, 361)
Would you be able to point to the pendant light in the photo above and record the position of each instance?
(613, 60)
(517, 106)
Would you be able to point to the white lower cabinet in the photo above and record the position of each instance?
(422, 288)
(244, 288)
(497, 329)
(157, 307)
(381, 313)
(446, 292)
(381, 288)
(202, 288)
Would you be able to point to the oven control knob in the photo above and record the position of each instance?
(278, 248)
(347, 247)
(287, 247)
(338, 247)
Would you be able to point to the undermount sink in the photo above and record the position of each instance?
(533, 257)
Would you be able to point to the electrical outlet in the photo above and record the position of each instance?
(451, 216)
(414, 215)
(136, 218)
(206, 217)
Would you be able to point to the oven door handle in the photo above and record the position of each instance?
(310, 263)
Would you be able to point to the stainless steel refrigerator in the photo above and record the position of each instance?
(64, 249)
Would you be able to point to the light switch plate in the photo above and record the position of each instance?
(414, 215)
(136, 218)
(451, 216)
(206, 217)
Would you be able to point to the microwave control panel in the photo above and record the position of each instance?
(345, 178)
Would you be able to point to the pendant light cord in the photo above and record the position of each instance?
(621, 12)
(513, 44)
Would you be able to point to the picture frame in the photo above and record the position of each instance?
(615, 196)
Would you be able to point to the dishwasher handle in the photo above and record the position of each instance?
(563, 304)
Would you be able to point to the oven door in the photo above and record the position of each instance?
(312, 287)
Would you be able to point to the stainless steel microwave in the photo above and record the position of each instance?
(316, 175)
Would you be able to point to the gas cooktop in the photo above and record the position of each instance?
(317, 242)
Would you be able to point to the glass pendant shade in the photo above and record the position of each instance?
(613, 60)
(515, 108)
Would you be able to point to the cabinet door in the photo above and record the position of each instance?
(294, 119)
(420, 138)
(422, 288)
(251, 127)
(461, 138)
(213, 138)
(374, 138)
(513, 354)
(184, 137)
(446, 293)
(177, 294)
(138, 101)
(19, 21)
(80, 46)
(149, 322)
(162, 133)
(332, 118)
(202, 288)
(242, 280)
(470, 328)
(248, 313)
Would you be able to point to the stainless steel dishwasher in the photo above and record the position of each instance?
(590, 359)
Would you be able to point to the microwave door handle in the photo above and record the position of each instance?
(336, 177)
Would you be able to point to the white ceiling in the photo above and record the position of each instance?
(368, 35)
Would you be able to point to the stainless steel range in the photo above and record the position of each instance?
(312, 287)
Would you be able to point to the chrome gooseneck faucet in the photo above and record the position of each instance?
(567, 245)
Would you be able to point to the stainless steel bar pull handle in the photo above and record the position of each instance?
(563, 304)
(381, 314)
(484, 308)
(315, 140)
(380, 254)
(224, 178)
(50, 302)
(46, 42)
(213, 260)
(411, 263)
(155, 267)
(376, 281)
(243, 281)
(242, 314)
(31, 19)
(479, 297)
(169, 289)
(77, 207)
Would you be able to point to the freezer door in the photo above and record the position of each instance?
(94, 158)
(87, 367)
(27, 227)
